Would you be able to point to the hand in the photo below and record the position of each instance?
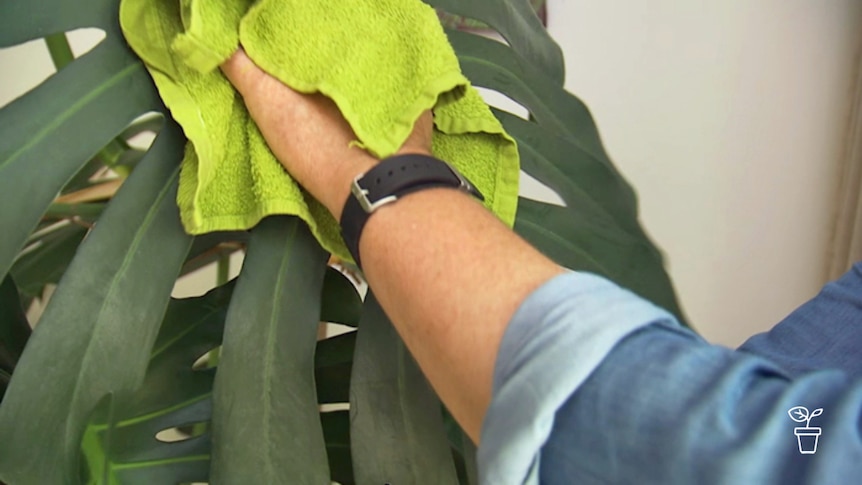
(308, 135)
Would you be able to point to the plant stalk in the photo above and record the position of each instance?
(87, 211)
(222, 276)
(61, 52)
(222, 269)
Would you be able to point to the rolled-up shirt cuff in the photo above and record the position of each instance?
(556, 339)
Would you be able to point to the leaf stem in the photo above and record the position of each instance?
(61, 52)
(91, 447)
(88, 211)
(222, 269)
(222, 275)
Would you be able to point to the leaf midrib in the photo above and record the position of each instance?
(270, 349)
(66, 114)
(154, 414)
(189, 329)
(127, 260)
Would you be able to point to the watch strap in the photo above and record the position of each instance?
(392, 178)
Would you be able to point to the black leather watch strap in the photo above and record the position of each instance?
(392, 178)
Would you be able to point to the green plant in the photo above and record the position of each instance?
(110, 363)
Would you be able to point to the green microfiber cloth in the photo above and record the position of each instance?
(383, 62)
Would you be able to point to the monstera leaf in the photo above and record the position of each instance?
(109, 371)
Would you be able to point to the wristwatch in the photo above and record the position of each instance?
(392, 178)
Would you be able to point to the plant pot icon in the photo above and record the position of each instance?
(806, 436)
(807, 439)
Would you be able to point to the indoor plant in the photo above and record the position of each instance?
(111, 362)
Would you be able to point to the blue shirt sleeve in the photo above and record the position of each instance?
(667, 408)
(558, 336)
(594, 385)
(824, 333)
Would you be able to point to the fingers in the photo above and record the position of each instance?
(272, 104)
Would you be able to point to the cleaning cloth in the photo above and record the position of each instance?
(383, 63)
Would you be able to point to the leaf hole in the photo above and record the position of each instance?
(332, 407)
(530, 188)
(208, 360)
(84, 40)
(336, 329)
(469, 25)
(200, 273)
(183, 433)
(142, 131)
(503, 102)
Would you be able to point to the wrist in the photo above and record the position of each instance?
(335, 193)
(337, 189)
(387, 182)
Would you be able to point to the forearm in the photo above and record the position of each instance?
(450, 276)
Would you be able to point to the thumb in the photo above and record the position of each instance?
(242, 72)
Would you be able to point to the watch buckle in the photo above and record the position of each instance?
(466, 185)
(361, 196)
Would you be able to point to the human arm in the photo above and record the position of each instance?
(421, 255)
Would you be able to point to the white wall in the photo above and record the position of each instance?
(728, 117)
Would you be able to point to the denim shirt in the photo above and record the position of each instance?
(592, 384)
